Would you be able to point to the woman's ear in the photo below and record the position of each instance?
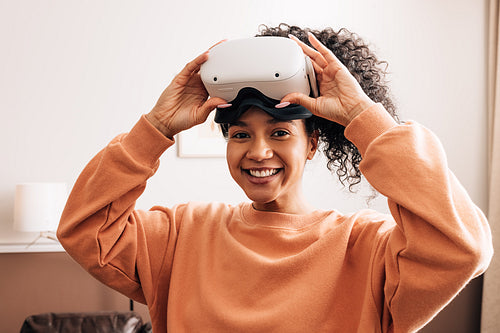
(313, 144)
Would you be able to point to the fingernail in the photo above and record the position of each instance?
(282, 105)
(223, 106)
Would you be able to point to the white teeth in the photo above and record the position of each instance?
(263, 173)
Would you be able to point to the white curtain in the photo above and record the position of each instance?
(490, 321)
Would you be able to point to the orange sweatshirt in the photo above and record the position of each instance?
(221, 268)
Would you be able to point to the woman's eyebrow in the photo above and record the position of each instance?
(277, 121)
(271, 121)
(237, 123)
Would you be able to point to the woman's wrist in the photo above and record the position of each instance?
(159, 125)
(369, 125)
(358, 109)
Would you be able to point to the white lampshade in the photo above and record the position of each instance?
(38, 206)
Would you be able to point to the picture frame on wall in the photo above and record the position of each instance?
(204, 140)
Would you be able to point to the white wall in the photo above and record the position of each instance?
(76, 73)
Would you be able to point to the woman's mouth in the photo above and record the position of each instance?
(262, 173)
(261, 176)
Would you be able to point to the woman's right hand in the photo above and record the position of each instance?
(184, 103)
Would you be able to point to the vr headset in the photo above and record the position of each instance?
(258, 71)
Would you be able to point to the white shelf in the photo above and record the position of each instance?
(23, 248)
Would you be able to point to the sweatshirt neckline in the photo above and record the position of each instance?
(274, 220)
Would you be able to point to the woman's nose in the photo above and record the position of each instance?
(259, 150)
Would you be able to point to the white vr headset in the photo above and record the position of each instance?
(258, 71)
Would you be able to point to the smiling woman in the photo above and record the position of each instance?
(266, 158)
(277, 263)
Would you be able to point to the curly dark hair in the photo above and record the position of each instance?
(342, 155)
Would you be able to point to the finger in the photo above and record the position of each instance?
(317, 68)
(219, 42)
(302, 99)
(315, 56)
(191, 68)
(325, 52)
(194, 65)
(212, 102)
(210, 105)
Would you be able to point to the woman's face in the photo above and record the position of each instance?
(266, 157)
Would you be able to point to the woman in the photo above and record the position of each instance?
(277, 264)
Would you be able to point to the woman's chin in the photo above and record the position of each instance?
(260, 199)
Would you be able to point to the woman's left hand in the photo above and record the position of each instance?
(342, 98)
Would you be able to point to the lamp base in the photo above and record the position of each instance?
(44, 234)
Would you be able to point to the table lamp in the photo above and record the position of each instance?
(38, 208)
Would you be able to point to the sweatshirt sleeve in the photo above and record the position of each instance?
(99, 227)
(441, 240)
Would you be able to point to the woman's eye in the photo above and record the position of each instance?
(280, 133)
(240, 135)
